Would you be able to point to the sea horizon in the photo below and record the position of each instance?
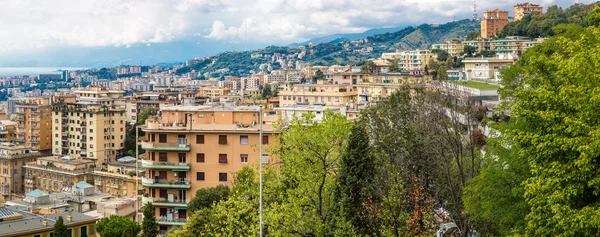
(30, 71)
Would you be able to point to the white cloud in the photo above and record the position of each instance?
(32, 24)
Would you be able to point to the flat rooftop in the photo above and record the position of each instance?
(33, 222)
(208, 108)
(309, 107)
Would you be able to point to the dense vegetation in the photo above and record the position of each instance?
(117, 226)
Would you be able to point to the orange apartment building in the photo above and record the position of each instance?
(522, 9)
(34, 119)
(492, 22)
(193, 147)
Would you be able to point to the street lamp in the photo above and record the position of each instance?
(260, 172)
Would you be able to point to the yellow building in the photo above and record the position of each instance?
(346, 77)
(414, 60)
(522, 9)
(492, 22)
(89, 131)
(12, 159)
(33, 116)
(486, 68)
(119, 179)
(193, 147)
(17, 222)
(7, 131)
(55, 174)
(213, 91)
(317, 94)
(455, 49)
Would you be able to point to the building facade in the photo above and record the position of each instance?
(492, 22)
(193, 147)
(34, 119)
(12, 173)
(88, 131)
(486, 68)
(56, 174)
(317, 94)
(522, 9)
(455, 49)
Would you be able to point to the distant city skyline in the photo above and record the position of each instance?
(52, 27)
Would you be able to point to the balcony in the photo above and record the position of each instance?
(149, 146)
(148, 164)
(35, 141)
(165, 183)
(165, 221)
(164, 202)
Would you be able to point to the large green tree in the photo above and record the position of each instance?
(554, 95)
(149, 224)
(206, 197)
(60, 229)
(130, 142)
(117, 226)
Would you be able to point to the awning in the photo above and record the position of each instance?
(180, 208)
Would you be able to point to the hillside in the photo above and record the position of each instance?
(345, 52)
(349, 36)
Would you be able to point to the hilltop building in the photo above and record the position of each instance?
(522, 9)
(492, 22)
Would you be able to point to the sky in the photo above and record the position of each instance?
(33, 25)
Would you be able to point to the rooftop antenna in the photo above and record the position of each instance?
(474, 10)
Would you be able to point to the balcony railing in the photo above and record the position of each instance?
(148, 164)
(165, 221)
(164, 202)
(165, 146)
(165, 183)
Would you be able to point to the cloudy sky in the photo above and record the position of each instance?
(30, 25)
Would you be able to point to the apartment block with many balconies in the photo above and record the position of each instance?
(33, 116)
(193, 147)
(317, 94)
(88, 131)
(56, 174)
(119, 179)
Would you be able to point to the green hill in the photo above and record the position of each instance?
(410, 38)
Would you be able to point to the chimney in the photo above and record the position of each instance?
(45, 223)
(69, 218)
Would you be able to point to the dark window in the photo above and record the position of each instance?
(199, 139)
(244, 158)
(265, 140)
(199, 157)
(162, 174)
(162, 138)
(162, 156)
(152, 138)
(199, 176)
(223, 139)
(163, 212)
(163, 193)
(153, 155)
(223, 158)
(223, 177)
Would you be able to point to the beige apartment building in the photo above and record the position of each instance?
(34, 119)
(56, 174)
(157, 99)
(213, 91)
(492, 22)
(346, 78)
(522, 9)
(414, 60)
(317, 94)
(486, 68)
(12, 160)
(119, 179)
(88, 131)
(379, 86)
(100, 95)
(193, 147)
(454, 48)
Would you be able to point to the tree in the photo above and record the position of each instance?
(354, 180)
(469, 50)
(319, 75)
(442, 55)
(310, 154)
(130, 142)
(60, 229)
(442, 73)
(394, 66)
(473, 35)
(266, 92)
(117, 226)
(149, 224)
(206, 197)
(552, 94)
(367, 67)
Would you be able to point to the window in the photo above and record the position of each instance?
(199, 176)
(163, 193)
(244, 158)
(223, 177)
(265, 140)
(223, 158)
(199, 157)
(244, 140)
(162, 156)
(199, 139)
(223, 139)
(162, 138)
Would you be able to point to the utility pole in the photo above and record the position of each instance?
(260, 171)
(137, 163)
